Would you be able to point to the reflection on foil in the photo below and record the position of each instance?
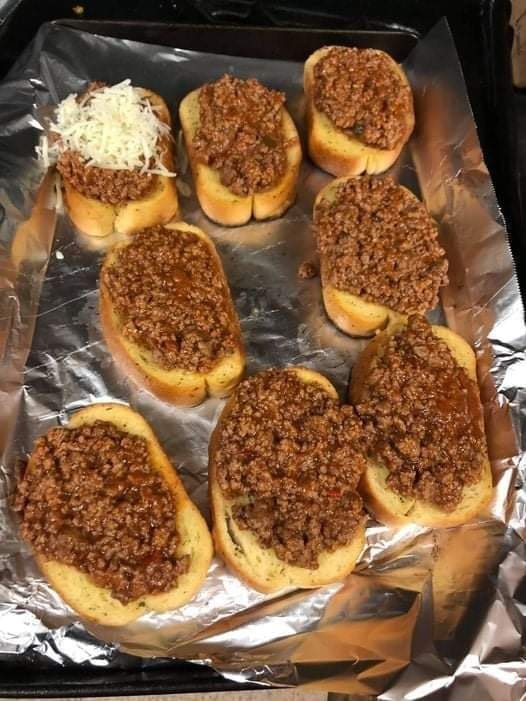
(425, 614)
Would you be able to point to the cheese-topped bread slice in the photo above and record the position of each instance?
(113, 149)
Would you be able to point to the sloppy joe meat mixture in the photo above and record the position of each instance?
(171, 299)
(293, 454)
(241, 133)
(422, 413)
(379, 243)
(307, 270)
(104, 184)
(362, 95)
(92, 499)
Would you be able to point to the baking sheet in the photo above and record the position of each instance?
(424, 611)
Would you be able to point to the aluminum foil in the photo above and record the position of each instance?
(426, 614)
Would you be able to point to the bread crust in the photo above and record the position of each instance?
(259, 567)
(391, 508)
(334, 151)
(178, 386)
(95, 603)
(351, 314)
(219, 203)
(158, 206)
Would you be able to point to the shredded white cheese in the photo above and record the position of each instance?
(113, 127)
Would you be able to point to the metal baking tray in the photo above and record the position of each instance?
(289, 31)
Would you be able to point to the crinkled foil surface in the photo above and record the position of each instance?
(426, 614)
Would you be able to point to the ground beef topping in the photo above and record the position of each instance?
(172, 300)
(307, 270)
(241, 133)
(362, 94)
(110, 186)
(91, 498)
(423, 415)
(380, 243)
(104, 184)
(293, 454)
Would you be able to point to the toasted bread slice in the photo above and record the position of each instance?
(260, 567)
(333, 150)
(353, 315)
(350, 313)
(177, 386)
(388, 506)
(159, 205)
(218, 202)
(95, 603)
